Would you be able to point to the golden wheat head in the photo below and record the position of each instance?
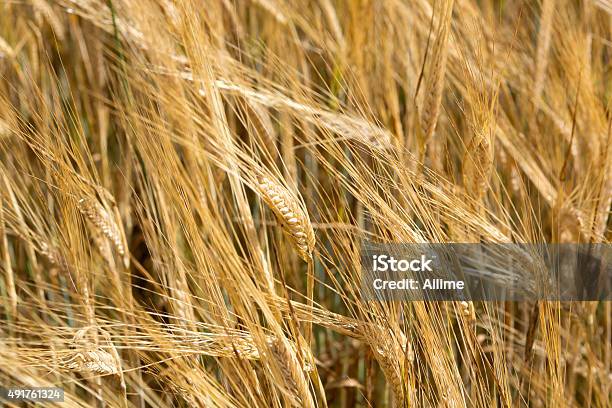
(293, 219)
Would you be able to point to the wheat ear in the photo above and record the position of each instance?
(292, 371)
(434, 84)
(104, 221)
(6, 261)
(88, 357)
(95, 361)
(391, 351)
(478, 165)
(51, 17)
(467, 309)
(296, 223)
(293, 219)
(544, 34)
(5, 49)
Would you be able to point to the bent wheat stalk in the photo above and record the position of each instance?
(347, 126)
(296, 223)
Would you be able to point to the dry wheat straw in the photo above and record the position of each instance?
(602, 210)
(347, 126)
(171, 12)
(351, 128)
(51, 252)
(104, 247)
(4, 129)
(236, 346)
(293, 219)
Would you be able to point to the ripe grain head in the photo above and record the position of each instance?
(289, 213)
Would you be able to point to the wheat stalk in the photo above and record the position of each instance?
(296, 223)
(349, 127)
(293, 219)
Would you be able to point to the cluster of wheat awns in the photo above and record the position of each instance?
(185, 187)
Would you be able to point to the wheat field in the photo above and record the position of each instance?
(186, 186)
